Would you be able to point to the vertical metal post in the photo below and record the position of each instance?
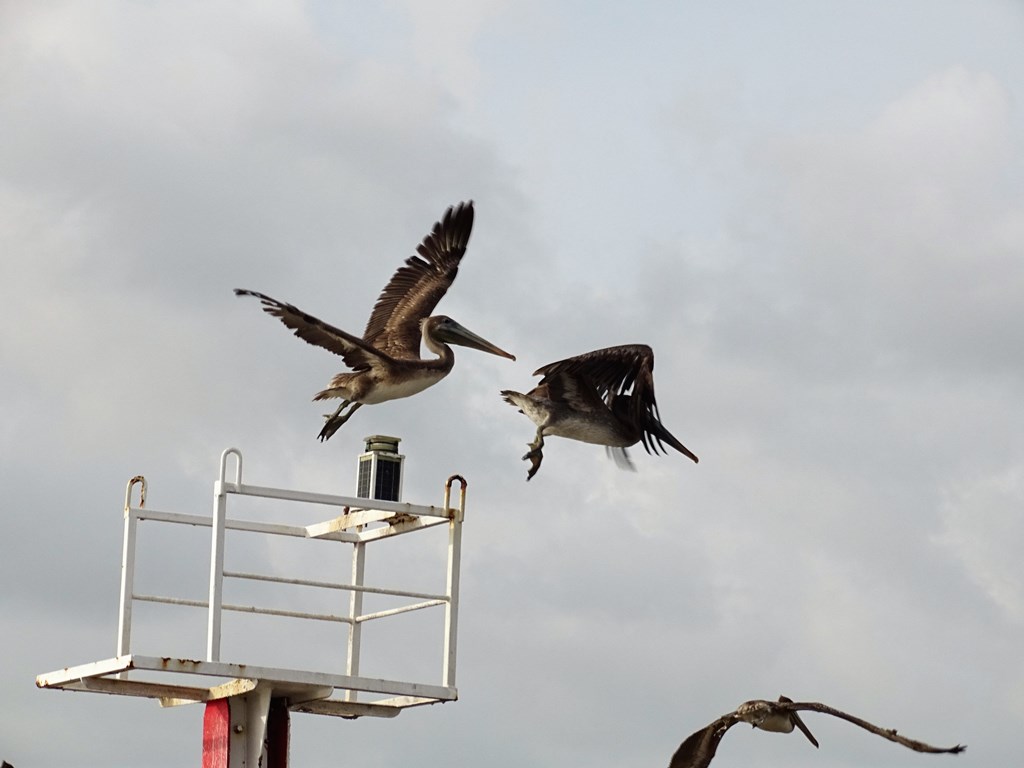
(217, 552)
(216, 572)
(257, 714)
(124, 622)
(451, 610)
(278, 734)
(355, 609)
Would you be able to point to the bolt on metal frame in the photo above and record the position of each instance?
(360, 522)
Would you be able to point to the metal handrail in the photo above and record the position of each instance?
(395, 518)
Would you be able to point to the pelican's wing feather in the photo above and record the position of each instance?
(357, 354)
(416, 288)
(699, 748)
(885, 733)
(576, 391)
(611, 370)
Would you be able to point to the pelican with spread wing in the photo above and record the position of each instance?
(781, 717)
(386, 362)
(604, 397)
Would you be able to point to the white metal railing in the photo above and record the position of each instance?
(360, 522)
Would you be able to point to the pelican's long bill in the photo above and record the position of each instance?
(447, 330)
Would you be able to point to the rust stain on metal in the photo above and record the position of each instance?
(448, 493)
(167, 662)
(400, 517)
(140, 481)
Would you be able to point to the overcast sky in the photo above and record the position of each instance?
(812, 211)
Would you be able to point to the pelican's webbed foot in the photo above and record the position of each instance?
(535, 455)
(336, 419)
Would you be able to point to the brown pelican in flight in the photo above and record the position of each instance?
(386, 362)
(588, 398)
(779, 716)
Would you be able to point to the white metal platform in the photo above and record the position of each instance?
(172, 680)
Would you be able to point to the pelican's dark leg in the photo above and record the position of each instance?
(536, 454)
(337, 410)
(336, 419)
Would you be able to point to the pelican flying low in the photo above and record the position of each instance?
(779, 716)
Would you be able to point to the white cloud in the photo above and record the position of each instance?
(982, 529)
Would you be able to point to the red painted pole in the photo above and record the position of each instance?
(216, 734)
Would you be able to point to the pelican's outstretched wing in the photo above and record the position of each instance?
(414, 290)
(358, 355)
(885, 733)
(698, 750)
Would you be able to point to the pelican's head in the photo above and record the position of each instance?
(442, 329)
